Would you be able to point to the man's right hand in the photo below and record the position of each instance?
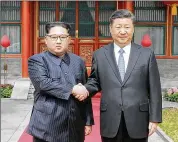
(80, 92)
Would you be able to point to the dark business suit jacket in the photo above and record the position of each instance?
(57, 116)
(138, 96)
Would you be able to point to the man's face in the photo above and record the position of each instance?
(58, 40)
(122, 30)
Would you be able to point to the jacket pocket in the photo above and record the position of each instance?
(49, 105)
(144, 106)
(39, 103)
(45, 105)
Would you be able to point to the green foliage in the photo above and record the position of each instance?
(172, 98)
(171, 94)
(6, 91)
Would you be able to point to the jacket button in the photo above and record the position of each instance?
(72, 108)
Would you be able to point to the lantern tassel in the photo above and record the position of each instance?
(174, 9)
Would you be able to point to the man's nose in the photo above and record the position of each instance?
(122, 31)
(58, 40)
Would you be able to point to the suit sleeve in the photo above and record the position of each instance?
(93, 83)
(43, 83)
(155, 91)
(89, 113)
(89, 120)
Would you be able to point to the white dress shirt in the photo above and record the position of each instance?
(126, 54)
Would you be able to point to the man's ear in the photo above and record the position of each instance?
(45, 40)
(133, 27)
(110, 28)
(69, 39)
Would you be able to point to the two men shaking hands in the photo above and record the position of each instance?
(80, 92)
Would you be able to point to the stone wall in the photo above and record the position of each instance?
(14, 70)
(168, 69)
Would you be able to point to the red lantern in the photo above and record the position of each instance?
(146, 41)
(5, 42)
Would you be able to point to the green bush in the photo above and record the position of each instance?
(6, 90)
(172, 98)
(171, 94)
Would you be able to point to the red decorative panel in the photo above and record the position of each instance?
(86, 52)
(104, 42)
(88, 70)
(71, 46)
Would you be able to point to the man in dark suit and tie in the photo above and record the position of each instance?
(57, 116)
(128, 78)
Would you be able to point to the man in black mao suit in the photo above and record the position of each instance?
(128, 78)
(57, 116)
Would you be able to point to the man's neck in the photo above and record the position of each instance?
(121, 45)
(58, 55)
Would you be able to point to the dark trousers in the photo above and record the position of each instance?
(122, 134)
(38, 140)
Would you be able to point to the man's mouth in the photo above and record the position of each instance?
(58, 46)
(122, 36)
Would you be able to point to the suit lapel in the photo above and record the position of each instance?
(134, 54)
(109, 52)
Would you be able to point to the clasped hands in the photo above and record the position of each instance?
(80, 92)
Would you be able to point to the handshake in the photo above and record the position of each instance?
(80, 92)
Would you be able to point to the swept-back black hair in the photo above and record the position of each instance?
(121, 13)
(65, 25)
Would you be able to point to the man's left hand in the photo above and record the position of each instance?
(152, 127)
(80, 92)
(88, 130)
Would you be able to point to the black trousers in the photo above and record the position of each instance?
(122, 134)
(38, 140)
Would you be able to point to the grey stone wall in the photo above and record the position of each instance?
(14, 69)
(168, 69)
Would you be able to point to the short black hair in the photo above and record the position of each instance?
(121, 13)
(65, 25)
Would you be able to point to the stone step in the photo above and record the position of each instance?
(31, 91)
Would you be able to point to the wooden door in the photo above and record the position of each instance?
(89, 21)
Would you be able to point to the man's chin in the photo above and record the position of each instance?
(123, 41)
(60, 53)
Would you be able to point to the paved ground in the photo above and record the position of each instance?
(15, 116)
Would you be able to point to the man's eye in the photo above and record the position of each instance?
(63, 37)
(54, 37)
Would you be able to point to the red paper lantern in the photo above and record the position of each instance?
(5, 42)
(146, 41)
